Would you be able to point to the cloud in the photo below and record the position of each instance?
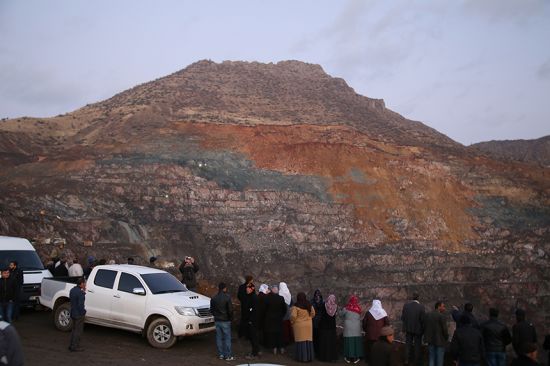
(519, 11)
(544, 70)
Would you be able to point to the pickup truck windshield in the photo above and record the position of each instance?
(26, 259)
(163, 283)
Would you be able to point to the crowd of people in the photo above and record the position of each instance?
(269, 315)
(271, 319)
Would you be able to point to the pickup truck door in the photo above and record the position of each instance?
(99, 295)
(129, 307)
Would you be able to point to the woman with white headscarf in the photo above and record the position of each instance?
(373, 322)
(287, 326)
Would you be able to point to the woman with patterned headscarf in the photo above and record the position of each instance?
(353, 341)
(328, 344)
(301, 317)
(373, 322)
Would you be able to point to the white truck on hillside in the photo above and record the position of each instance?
(139, 299)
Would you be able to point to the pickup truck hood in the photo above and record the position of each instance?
(187, 298)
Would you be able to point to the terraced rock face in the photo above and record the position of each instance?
(286, 173)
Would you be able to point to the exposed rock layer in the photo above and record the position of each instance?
(286, 173)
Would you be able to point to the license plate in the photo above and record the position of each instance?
(33, 298)
(208, 320)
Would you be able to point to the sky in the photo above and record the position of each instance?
(475, 70)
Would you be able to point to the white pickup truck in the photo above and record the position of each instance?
(139, 299)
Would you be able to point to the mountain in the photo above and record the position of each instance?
(282, 171)
(532, 151)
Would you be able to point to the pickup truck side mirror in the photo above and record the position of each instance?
(138, 291)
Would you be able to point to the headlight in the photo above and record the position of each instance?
(182, 310)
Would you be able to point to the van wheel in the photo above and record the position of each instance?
(160, 334)
(62, 317)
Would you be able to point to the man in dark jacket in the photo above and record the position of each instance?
(11, 352)
(274, 311)
(436, 334)
(241, 295)
(17, 275)
(222, 310)
(468, 311)
(522, 332)
(496, 337)
(250, 319)
(188, 270)
(413, 327)
(77, 296)
(382, 352)
(8, 293)
(467, 345)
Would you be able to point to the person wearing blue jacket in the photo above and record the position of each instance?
(77, 296)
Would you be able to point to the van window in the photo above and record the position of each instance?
(26, 259)
(128, 283)
(105, 278)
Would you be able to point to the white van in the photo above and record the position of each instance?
(21, 251)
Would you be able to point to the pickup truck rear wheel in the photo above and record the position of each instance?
(62, 317)
(160, 334)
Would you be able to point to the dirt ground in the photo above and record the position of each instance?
(44, 345)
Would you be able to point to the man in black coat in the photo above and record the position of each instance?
(250, 319)
(496, 337)
(436, 334)
(522, 332)
(8, 294)
(17, 275)
(467, 345)
(77, 296)
(468, 311)
(222, 310)
(274, 310)
(241, 295)
(413, 327)
(188, 270)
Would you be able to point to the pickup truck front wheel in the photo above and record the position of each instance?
(160, 334)
(62, 317)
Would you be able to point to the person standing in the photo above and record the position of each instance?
(287, 327)
(75, 269)
(468, 311)
(436, 334)
(467, 345)
(382, 352)
(317, 303)
(222, 310)
(301, 318)
(522, 332)
(8, 293)
(273, 315)
(496, 337)
(373, 322)
(17, 276)
(188, 270)
(328, 343)
(11, 352)
(413, 327)
(242, 296)
(249, 319)
(353, 341)
(77, 295)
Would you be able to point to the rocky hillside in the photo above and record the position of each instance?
(285, 172)
(531, 151)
